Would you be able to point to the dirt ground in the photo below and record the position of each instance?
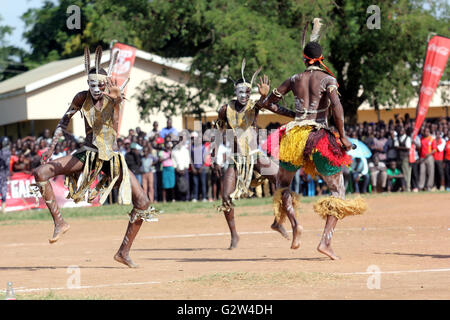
(399, 249)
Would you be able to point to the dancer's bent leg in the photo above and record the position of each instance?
(140, 203)
(336, 185)
(42, 174)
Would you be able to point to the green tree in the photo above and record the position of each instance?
(376, 65)
(11, 57)
(379, 65)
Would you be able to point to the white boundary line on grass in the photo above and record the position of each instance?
(392, 272)
(157, 282)
(86, 287)
(194, 235)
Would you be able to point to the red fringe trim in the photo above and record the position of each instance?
(336, 156)
(272, 144)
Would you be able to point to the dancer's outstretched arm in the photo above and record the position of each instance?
(270, 102)
(75, 106)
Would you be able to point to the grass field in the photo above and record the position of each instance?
(185, 256)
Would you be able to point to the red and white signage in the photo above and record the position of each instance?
(19, 196)
(436, 59)
(123, 66)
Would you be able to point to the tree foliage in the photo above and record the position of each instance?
(375, 66)
(11, 57)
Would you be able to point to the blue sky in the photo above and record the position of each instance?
(11, 13)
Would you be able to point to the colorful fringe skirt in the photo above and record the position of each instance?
(316, 149)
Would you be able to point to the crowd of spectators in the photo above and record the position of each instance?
(174, 165)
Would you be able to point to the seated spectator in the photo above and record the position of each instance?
(22, 165)
(46, 136)
(395, 178)
(58, 153)
(360, 174)
(13, 158)
(35, 158)
(43, 147)
(378, 175)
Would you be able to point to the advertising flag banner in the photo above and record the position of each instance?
(122, 68)
(438, 50)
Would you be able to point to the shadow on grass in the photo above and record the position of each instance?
(52, 268)
(180, 249)
(237, 260)
(420, 255)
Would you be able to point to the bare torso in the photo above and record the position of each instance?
(310, 93)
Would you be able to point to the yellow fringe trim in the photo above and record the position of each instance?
(293, 144)
(278, 210)
(332, 206)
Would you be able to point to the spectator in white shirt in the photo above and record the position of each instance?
(181, 160)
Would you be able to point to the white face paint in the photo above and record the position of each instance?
(96, 88)
(242, 94)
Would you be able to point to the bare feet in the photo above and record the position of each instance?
(60, 229)
(125, 260)
(326, 250)
(234, 242)
(297, 232)
(278, 227)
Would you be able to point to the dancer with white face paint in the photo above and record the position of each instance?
(100, 107)
(247, 165)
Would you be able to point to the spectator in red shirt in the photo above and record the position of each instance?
(427, 149)
(13, 158)
(439, 160)
(447, 161)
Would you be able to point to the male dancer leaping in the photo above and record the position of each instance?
(308, 142)
(99, 107)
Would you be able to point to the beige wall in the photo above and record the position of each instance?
(13, 109)
(52, 101)
(143, 71)
(386, 115)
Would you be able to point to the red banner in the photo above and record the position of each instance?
(19, 196)
(122, 69)
(438, 50)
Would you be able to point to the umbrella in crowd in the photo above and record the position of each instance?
(361, 150)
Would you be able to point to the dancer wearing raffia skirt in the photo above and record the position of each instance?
(309, 143)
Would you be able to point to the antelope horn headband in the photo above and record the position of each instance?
(245, 83)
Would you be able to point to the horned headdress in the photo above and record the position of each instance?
(245, 83)
(98, 58)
